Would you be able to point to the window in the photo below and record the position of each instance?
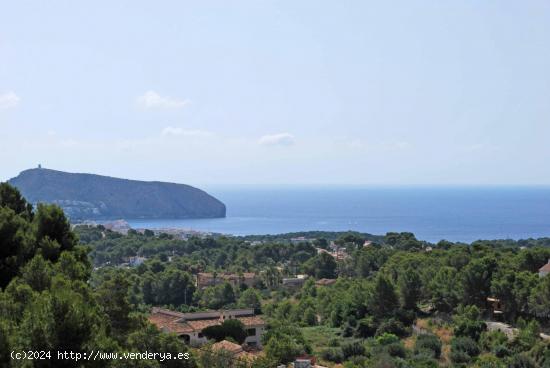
(185, 338)
(251, 332)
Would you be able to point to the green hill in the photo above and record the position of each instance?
(96, 197)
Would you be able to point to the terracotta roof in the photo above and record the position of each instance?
(252, 321)
(200, 324)
(246, 275)
(229, 346)
(545, 268)
(235, 350)
(169, 321)
(179, 327)
(324, 282)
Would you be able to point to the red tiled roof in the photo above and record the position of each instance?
(252, 321)
(325, 282)
(229, 346)
(173, 321)
(200, 324)
(545, 268)
(169, 321)
(226, 276)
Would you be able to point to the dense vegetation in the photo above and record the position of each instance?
(397, 302)
(47, 304)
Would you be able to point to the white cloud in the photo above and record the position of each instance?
(279, 139)
(174, 131)
(9, 100)
(152, 100)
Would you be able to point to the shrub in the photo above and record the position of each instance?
(468, 322)
(460, 357)
(386, 339)
(394, 327)
(353, 349)
(430, 343)
(501, 351)
(333, 355)
(348, 331)
(421, 361)
(356, 361)
(490, 339)
(521, 361)
(230, 328)
(463, 349)
(282, 349)
(366, 327)
(405, 316)
(490, 361)
(396, 349)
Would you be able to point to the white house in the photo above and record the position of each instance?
(136, 261)
(189, 326)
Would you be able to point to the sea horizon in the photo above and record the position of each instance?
(432, 213)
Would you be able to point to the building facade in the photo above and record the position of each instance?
(545, 270)
(205, 279)
(189, 326)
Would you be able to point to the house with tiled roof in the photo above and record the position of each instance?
(325, 282)
(294, 282)
(305, 362)
(234, 349)
(189, 326)
(544, 270)
(205, 279)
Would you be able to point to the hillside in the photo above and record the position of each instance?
(96, 197)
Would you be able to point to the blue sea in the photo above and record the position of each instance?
(431, 213)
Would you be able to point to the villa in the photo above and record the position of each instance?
(544, 270)
(205, 279)
(301, 239)
(136, 261)
(325, 282)
(294, 282)
(189, 326)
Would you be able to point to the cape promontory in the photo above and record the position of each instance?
(96, 197)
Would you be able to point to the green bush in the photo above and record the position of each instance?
(421, 361)
(229, 328)
(352, 349)
(521, 361)
(333, 355)
(366, 327)
(405, 316)
(396, 349)
(490, 361)
(394, 327)
(430, 343)
(491, 339)
(501, 351)
(463, 349)
(386, 339)
(460, 357)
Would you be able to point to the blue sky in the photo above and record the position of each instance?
(278, 92)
